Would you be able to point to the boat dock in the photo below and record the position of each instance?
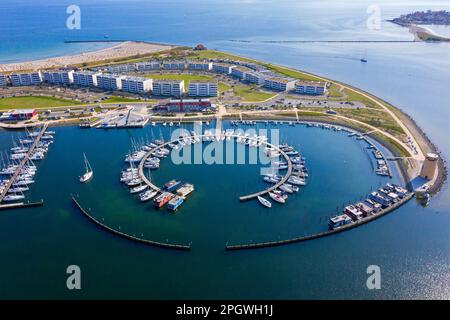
(128, 236)
(19, 205)
(23, 162)
(321, 234)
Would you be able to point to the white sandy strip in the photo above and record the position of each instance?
(124, 49)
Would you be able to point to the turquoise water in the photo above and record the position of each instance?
(410, 245)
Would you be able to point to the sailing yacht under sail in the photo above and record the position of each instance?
(89, 173)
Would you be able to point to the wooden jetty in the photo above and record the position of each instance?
(23, 162)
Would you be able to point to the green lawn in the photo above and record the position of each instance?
(116, 99)
(250, 93)
(34, 102)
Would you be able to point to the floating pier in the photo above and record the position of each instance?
(128, 236)
(23, 162)
(321, 234)
(19, 205)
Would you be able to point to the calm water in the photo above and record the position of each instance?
(411, 245)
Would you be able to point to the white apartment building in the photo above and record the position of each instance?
(174, 65)
(59, 77)
(122, 68)
(255, 77)
(223, 68)
(26, 79)
(200, 66)
(85, 78)
(279, 84)
(110, 81)
(137, 84)
(148, 66)
(203, 89)
(240, 72)
(311, 87)
(170, 88)
(2, 80)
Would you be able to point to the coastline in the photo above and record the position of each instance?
(119, 51)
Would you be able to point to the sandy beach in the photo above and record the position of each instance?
(121, 50)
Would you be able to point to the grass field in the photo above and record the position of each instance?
(116, 99)
(251, 94)
(34, 102)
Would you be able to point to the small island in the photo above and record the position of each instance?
(429, 17)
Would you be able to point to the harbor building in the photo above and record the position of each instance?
(148, 66)
(316, 88)
(174, 65)
(429, 166)
(200, 66)
(170, 88)
(224, 68)
(136, 84)
(187, 105)
(2, 80)
(203, 89)
(26, 79)
(85, 78)
(279, 84)
(255, 77)
(240, 72)
(122, 68)
(18, 115)
(110, 82)
(59, 77)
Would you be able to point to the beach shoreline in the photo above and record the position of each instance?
(119, 51)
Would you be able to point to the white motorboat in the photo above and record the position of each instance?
(138, 189)
(266, 203)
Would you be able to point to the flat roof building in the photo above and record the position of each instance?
(279, 84)
(202, 89)
(223, 68)
(240, 72)
(122, 68)
(200, 66)
(110, 81)
(169, 88)
(311, 87)
(18, 115)
(255, 77)
(85, 78)
(3, 81)
(137, 84)
(148, 66)
(187, 105)
(59, 77)
(26, 79)
(174, 65)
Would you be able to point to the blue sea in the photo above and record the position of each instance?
(411, 245)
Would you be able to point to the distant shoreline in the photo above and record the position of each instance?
(122, 49)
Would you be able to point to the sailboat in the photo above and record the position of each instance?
(364, 59)
(89, 173)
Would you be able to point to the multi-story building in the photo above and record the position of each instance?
(148, 66)
(223, 68)
(202, 89)
(26, 79)
(110, 81)
(85, 78)
(311, 87)
(279, 84)
(240, 72)
(2, 80)
(137, 84)
(122, 68)
(200, 66)
(186, 105)
(174, 65)
(170, 88)
(59, 77)
(255, 77)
